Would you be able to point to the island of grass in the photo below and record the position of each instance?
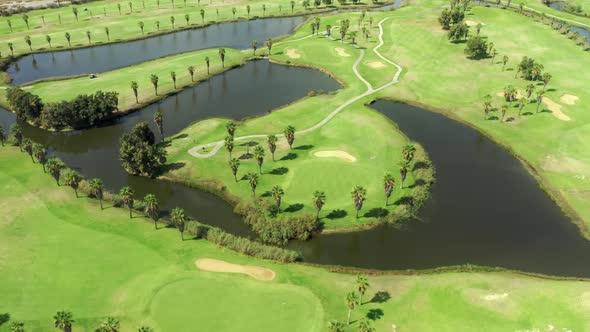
(62, 253)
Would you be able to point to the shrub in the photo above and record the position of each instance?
(476, 48)
(251, 248)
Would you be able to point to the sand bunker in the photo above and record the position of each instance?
(495, 297)
(215, 265)
(376, 64)
(292, 53)
(335, 154)
(341, 51)
(555, 109)
(472, 23)
(569, 99)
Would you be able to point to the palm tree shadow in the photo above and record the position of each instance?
(417, 183)
(265, 194)
(294, 207)
(304, 147)
(405, 200)
(376, 213)
(337, 214)
(4, 318)
(289, 156)
(381, 297)
(279, 171)
(375, 314)
(493, 117)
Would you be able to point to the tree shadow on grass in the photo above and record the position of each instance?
(266, 194)
(279, 171)
(376, 213)
(290, 156)
(179, 137)
(417, 183)
(4, 318)
(420, 165)
(527, 113)
(172, 167)
(375, 314)
(304, 147)
(245, 156)
(337, 214)
(294, 207)
(381, 297)
(406, 200)
(493, 117)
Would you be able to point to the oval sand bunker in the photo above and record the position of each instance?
(215, 265)
(335, 154)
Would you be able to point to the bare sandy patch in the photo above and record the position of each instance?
(215, 265)
(555, 109)
(569, 99)
(499, 302)
(376, 64)
(564, 164)
(472, 23)
(335, 154)
(341, 51)
(293, 54)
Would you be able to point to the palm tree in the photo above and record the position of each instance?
(268, 45)
(17, 326)
(254, 45)
(69, 39)
(2, 136)
(145, 329)
(173, 76)
(229, 144)
(277, 194)
(89, 36)
(96, 188)
(233, 11)
(159, 121)
(263, 9)
(48, 38)
(17, 133)
(408, 152)
(154, 78)
(9, 24)
(158, 22)
(172, 19)
(26, 19)
(234, 164)
(152, 208)
(540, 94)
(359, 194)
(504, 110)
(259, 155)
(11, 47)
(504, 61)
(351, 302)
(388, 185)
(119, 7)
(253, 181)
(272, 145)
(352, 36)
(179, 219)
(290, 135)
(335, 326)
(141, 25)
(248, 10)
(63, 320)
(40, 153)
(110, 324)
(72, 179)
(546, 78)
(231, 128)
(292, 6)
(319, 199)
(191, 71)
(135, 87)
(187, 19)
(128, 197)
(28, 41)
(362, 284)
(521, 104)
(221, 53)
(529, 90)
(108, 32)
(28, 147)
(207, 63)
(130, 6)
(202, 12)
(403, 171)
(365, 326)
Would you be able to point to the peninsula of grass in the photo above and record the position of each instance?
(103, 264)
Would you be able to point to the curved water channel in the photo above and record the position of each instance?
(485, 208)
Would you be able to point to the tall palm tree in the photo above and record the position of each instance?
(159, 121)
(408, 152)
(48, 38)
(63, 320)
(259, 155)
(141, 26)
(248, 10)
(108, 33)
(504, 110)
(110, 324)
(504, 61)
(290, 135)
(187, 18)
(172, 20)
(97, 188)
(233, 11)
(365, 326)
(546, 78)
(17, 326)
(128, 196)
(17, 132)
(529, 90)
(152, 208)
(179, 220)
(26, 19)
(135, 87)
(28, 147)
(154, 78)
(540, 94)
(72, 179)
(2, 136)
(11, 47)
(69, 39)
(234, 164)
(268, 45)
(403, 171)
(319, 199)
(191, 71)
(202, 12)
(253, 181)
(231, 128)
(40, 153)
(89, 36)
(272, 145)
(229, 144)
(351, 302)
(221, 53)
(359, 194)
(254, 46)
(352, 36)
(362, 284)
(388, 185)
(277, 194)
(207, 63)
(173, 76)
(521, 104)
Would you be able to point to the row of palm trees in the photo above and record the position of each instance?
(64, 321)
(354, 299)
(510, 96)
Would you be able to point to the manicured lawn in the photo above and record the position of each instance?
(62, 253)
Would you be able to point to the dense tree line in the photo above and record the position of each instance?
(82, 112)
(139, 153)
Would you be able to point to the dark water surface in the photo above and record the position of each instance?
(485, 209)
(253, 89)
(106, 57)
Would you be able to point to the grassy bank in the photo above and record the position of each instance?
(102, 263)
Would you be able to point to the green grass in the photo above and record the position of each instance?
(62, 253)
